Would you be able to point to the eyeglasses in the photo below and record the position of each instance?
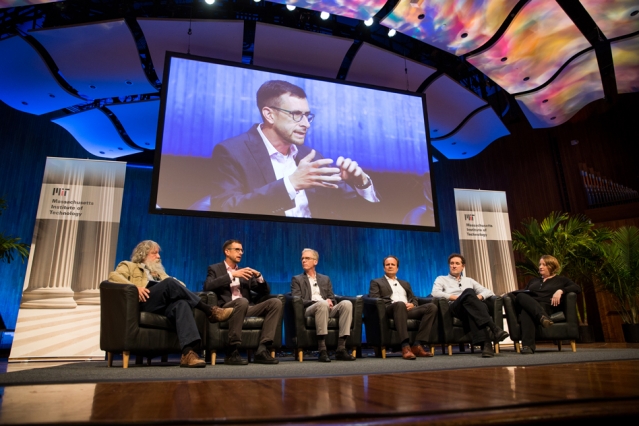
(236, 249)
(297, 115)
(308, 258)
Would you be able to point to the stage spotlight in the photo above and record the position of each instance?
(391, 32)
(257, 1)
(368, 22)
(291, 7)
(209, 1)
(324, 15)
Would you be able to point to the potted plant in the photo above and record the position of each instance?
(9, 246)
(576, 244)
(620, 276)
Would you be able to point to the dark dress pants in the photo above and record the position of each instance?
(474, 314)
(270, 309)
(176, 302)
(425, 313)
(530, 312)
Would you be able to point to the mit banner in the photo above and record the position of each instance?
(485, 239)
(73, 250)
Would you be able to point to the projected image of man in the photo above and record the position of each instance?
(269, 169)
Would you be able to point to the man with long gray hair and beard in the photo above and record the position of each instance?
(160, 294)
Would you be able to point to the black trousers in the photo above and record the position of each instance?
(270, 309)
(530, 312)
(176, 302)
(425, 313)
(474, 314)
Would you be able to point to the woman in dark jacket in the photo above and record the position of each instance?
(541, 300)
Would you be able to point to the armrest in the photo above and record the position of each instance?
(376, 321)
(119, 315)
(571, 308)
(425, 300)
(358, 312)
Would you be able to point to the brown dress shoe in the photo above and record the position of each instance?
(220, 314)
(418, 350)
(407, 353)
(192, 360)
(545, 321)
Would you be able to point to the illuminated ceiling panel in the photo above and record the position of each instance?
(479, 132)
(577, 85)
(96, 133)
(626, 59)
(457, 27)
(614, 17)
(448, 105)
(358, 9)
(380, 67)
(316, 54)
(98, 60)
(27, 83)
(140, 121)
(164, 35)
(539, 40)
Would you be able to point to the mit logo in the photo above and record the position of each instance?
(61, 191)
(469, 217)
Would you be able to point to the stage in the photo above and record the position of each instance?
(601, 382)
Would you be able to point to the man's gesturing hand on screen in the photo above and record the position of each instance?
(311, 173)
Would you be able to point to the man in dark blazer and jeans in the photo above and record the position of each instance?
(233, 287)
(401, 304)
(316, 290)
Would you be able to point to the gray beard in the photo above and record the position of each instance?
(156, 268)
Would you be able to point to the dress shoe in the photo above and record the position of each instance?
(234, 358)
(407, 353)
(323, 356)
(344, 355)
(545, 321)
(418, 350)
(264, 357)
(527, 350)
(488, 351)
(500, 335)
(192, 360)
(219, 314)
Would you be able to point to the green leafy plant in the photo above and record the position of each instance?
(573, 240)
(9, 246)
(620, 272)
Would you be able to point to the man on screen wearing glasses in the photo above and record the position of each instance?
(269, 170)
(466, 298)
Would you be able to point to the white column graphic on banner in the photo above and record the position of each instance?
(485, 238)
(73, 250)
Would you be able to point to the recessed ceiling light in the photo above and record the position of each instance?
(504, 59)
(51, 95)
(324, 15)
(464, 35)
(392, 32)
(634, 13)
(101, 152)
(368, 22)
(421, 16)
(129, 82)
(544, 101)
(526, 78)
(291, 7)
(92, 86)
(552, 118)
(25, 103)
(209, 1)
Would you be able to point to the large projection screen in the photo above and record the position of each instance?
(220, 155)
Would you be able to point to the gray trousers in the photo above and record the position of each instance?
(343, 310)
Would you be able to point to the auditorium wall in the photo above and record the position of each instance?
(536, 168)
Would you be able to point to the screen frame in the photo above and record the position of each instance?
(153, 209)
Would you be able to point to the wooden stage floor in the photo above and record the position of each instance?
(559, 393)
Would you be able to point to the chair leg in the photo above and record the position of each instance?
(300, 355)
(559, 345)
(517, 347)
(273, 354)
(573, 346)
(354, 353)
(432, 350)
(213, 355)
(165, 358)
(496, 348)
(450, 350)
(383, 352)
(125, 359)
(109, 359)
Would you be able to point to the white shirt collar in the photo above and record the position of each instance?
(271, 149)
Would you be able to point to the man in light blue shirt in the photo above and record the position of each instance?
(466, 298)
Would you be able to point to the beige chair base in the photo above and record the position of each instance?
(517, 347)
(125, 359)
(496, 348)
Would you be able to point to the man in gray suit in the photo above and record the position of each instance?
(401, 305)
(316, 290)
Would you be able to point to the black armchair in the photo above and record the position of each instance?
(381, 332)
(453, 330)
(565, 330)
(126, 330)
(300, 332)
(217, 334)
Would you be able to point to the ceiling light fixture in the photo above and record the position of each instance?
(392, 32)
(324, 15)
(368, 22)
(209, 1)
(291, 7)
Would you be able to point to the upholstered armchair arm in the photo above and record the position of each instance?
(119, 316)
(511, 317)
(295, 325)
(376, 321)
(570, 308)
(496, 309)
